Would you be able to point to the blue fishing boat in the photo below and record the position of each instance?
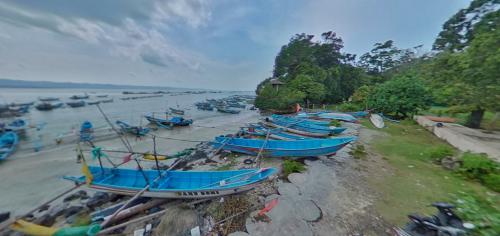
(227, 110)
(135, 130)
(18, 125)
(329, 116)
(304, 125)
(76, 104)
(76, 97)
(175, 184)
(295, 131)
(279, 134)
(48, 99)
(47, 106)
(86, 131)
(176, 111)
(169, 122)
(295, 118)
(8, 143)
(359, 113)
(279, 148)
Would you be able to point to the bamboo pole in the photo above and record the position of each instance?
(259, 154)
(143, 218)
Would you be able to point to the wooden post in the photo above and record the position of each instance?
(156, 157)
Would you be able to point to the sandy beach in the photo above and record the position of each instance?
(28, 179)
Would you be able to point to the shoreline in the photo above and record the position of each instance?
(38, 174)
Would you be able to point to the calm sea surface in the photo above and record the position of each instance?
(67, 120)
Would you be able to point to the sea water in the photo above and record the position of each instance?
(47, 126)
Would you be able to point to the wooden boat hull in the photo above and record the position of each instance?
(176, 184)
(377, 120)
(278, 148)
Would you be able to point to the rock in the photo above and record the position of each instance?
(72, 210)
(78, 195)
(4, 216)
(297, 178)
(451, 163)
(46, 220)
(282, 223)
(239, 233)
(97, 200)
(177, 221)
(308, 210)
(288, 189)
(44, 208)
(57, 210)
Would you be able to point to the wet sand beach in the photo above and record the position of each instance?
(28, 179)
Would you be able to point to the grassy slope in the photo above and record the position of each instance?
(416, 181)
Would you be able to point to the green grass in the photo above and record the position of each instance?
(416, 181)
(291, 166)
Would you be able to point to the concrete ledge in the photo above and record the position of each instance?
(463, 138)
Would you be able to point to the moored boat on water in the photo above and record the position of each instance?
(227, 110)
(76, 104)
(93, 102)
(8, 143)
(176, 111)
(168, 122)
(48, 99)
(106, 100)
(280, 148)
(175, 184)
(135, 130)
(76, 97)
(47, 106)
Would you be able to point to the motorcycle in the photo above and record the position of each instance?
(444, 223)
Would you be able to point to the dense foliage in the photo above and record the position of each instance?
(462, 72)
(315, 70)
(402, 96)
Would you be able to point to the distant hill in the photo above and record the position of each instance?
(11, 83)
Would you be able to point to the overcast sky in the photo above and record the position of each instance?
(219, 44)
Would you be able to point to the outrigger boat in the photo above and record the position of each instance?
(8, 143)
(329, 116)
(135, 130)
(174, 184)
(227, 110)
(48, 99)
(279, 148)
(304, 125)
(169, 122)
(279, 134)
(176, 111)
(295, 118)
(47, 106)
(76, 104)
(295, 131)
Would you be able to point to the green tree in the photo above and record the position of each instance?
(462, 27)
(469, 80)
(269, 98)
(313, 91)
(400, 96)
